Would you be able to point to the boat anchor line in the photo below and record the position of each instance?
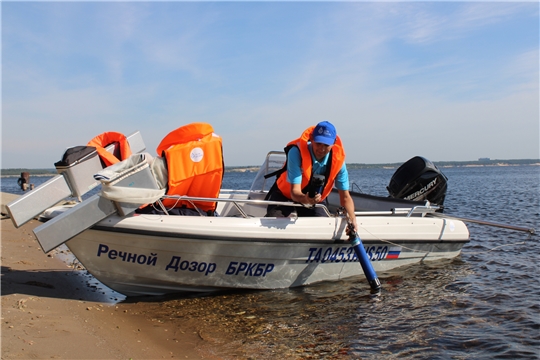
(390, 242)
(531, 230)
(431, 211)
(495, 248)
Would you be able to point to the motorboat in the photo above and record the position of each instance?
(238, 247)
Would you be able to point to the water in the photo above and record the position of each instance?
(484, 304)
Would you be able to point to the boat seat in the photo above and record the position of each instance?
(256, 209)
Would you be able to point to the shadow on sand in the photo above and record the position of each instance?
(70, 285)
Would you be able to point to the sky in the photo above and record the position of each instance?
(450, 81)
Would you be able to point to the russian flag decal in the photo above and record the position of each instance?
(393, 252)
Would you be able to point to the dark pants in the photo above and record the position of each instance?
(184, 211)
(285, 211)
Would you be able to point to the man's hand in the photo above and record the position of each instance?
(351, 229)
(298, 196)
(313, 200)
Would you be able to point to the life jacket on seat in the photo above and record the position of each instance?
(194, 160)
(333, 166)
(122, 149)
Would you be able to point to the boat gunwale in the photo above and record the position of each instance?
(190, 236)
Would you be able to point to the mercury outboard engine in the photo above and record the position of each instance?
(419, 179)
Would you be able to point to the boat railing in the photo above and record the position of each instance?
(407, 212)
(236, 202)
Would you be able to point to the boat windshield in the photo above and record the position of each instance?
(273, 162)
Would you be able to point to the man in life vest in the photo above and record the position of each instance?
(315, 162)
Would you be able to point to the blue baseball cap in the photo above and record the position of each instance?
(324, 133)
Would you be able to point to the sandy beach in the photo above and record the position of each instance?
(52, 310)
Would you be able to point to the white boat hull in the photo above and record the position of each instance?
(155, 254)
(240, 248)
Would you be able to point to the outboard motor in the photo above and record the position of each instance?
(419, 179)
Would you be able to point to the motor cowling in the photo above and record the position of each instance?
(419, 179)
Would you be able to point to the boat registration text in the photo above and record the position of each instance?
(315, 255)
(346, 254)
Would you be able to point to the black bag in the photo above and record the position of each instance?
(76, 154)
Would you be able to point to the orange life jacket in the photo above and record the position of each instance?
(336, 162)
(101, 141)
(194, 156)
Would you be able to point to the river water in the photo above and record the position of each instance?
(485, 304)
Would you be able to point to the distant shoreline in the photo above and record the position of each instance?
(39, 175)
(9, 173)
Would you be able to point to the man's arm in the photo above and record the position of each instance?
(346, 200)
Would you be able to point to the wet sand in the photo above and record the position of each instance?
(53, 310)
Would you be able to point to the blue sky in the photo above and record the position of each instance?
(444, 80)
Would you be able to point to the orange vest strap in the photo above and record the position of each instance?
(101, 141)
